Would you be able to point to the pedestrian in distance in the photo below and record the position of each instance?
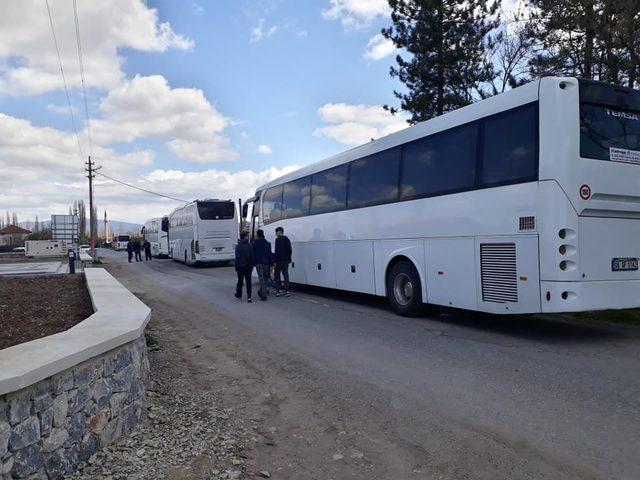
(136, 250)
(147, 250)
(263, 258)
(244, 265)
(130, 250)
(282, 260)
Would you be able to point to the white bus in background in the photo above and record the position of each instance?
(120, 241)
(204, 231)
(528, 201)
(157, 237)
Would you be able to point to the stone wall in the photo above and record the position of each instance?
(51, 427)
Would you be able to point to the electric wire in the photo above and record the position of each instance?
(141, 189)
(81, 64)
(64, 82)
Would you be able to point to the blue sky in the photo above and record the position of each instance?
(191, 99)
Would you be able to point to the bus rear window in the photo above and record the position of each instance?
(608, 133)
(123, 238)
(216, 210)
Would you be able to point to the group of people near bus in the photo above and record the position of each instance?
(135, 247)
(259, 254)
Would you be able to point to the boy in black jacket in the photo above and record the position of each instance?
(283, 259)
(244, 265)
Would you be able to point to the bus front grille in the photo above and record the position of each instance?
(498, 272)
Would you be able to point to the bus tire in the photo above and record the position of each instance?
(404, 289)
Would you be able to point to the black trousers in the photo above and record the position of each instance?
(130, 256)
(147, 255)
(138, 256)
(282, 268)
(244, 276)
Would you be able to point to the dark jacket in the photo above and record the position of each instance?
(136, 246)
(147, 246)
(244, 255)
(283, 250)
(130, 246)
(262, 252)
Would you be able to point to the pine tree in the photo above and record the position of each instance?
(593, 39)
(446, 42)
(36, 225)
(14, 218)
(82, 218)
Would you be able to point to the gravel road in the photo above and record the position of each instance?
(328, 385)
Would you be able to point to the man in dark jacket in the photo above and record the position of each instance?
(130, 250)
(147, 250)
(136, 250)
(263, 258)
(244, 265)
(282, 260)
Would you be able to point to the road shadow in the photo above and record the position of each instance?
(545, 328)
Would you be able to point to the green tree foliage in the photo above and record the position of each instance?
(595, 39)
(445, 43)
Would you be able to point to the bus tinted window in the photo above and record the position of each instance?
(272, 204)
(374, 179)
(295, 200)
(215, 210)
(329, 190)
(443, 162)
(604, 128)
(510, 146)
(123, 238)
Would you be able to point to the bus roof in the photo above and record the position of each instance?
(498, 103)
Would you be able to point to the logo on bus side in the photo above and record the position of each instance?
(585, 192)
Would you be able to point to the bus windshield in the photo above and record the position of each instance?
(216, 210)
(123, 238)
(608, 133)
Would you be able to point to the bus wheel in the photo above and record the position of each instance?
(404, 290)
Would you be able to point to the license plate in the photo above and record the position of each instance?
(622, 264)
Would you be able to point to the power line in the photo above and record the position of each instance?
(64, 82)
(81, 63)
(141, 189)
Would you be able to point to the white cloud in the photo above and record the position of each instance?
(302, 33)
(266, 149)
(198, 10)
(148, 107)
(61, 109)
(379, 47)
(356, 14)
(358, 124)
(259, 32)
(28, 61)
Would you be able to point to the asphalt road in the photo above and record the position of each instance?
(460, 395)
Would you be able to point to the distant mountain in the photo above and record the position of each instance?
(115, 226)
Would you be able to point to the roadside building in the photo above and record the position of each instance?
(13, 236)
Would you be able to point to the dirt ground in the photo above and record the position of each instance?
(35, 307)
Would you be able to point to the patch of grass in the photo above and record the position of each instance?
(627, 317)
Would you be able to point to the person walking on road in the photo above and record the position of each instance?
(244, 265)
(147, 250)
(282, 261)
(130, 250)
(263, 258)
(136, 250)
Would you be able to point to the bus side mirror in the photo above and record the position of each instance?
(165, 224)
(245, 210)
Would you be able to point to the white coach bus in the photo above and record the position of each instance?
(156, 236)
(120, 241)
(525, 202)
(203, 231)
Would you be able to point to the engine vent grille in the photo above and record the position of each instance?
(527, 223)
(498, 272)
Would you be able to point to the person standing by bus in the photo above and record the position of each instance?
(136, 250)
(263, 258)
(147, 250)
(244, 265)
(282, 261)
(130, 250)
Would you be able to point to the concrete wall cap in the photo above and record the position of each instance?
(119, 318)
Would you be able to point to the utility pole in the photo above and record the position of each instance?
(91, 169)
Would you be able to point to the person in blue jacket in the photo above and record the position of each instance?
(263, 258)
(244, 265)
